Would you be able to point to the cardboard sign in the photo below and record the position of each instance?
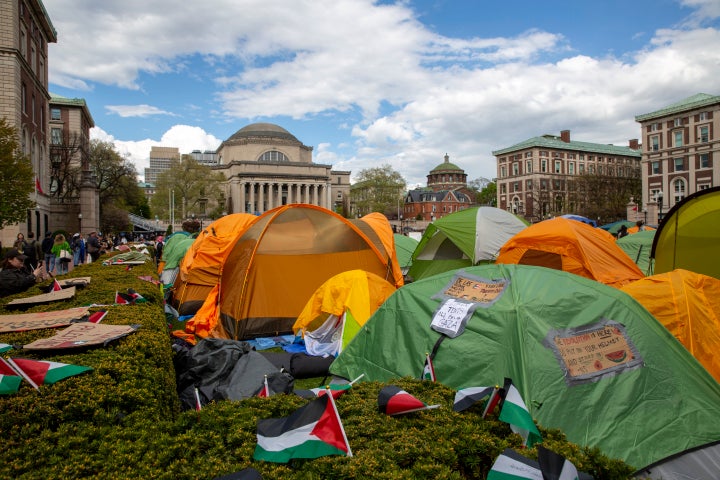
(469, 288)
(594, 351)
(33, 321)
(82, 335)
(64, 294)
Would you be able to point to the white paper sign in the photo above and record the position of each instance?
(450, 318)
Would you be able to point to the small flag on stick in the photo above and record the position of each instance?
(493, 401)
(556, 467)
(467, 397)
(9, 378)
(56, 285)
(38, 372)
(393, 400)
(428, 369)
(510, 465)
(264, 390)
(198, 403)
(514, 412)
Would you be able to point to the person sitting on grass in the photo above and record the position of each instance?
(15, 277)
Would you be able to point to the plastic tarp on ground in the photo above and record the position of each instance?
(689, 235)
(586, 358)
(463, 238)
(638, 247)
(688, 305)
(201, 266)
(285, 255)
(574, 247)
(338, 308)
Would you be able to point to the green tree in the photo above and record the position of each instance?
(16, 177)
(378, 189)
(488, 195)
(197, 190)
(117, 184)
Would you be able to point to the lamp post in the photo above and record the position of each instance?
(80, 223)
(659, 200)
(645, 215)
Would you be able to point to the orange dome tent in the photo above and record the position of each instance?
(574, 247)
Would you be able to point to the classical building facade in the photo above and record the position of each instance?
(266, 167)
(25, 31)
(446, 192)
(533, 176)
(681, 152)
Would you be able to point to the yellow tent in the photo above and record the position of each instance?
(688, 305)
(340, 305)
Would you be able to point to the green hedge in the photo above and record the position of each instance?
(123, 420)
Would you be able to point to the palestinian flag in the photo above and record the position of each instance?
(97, 317)
(557, 467)
(129, 298)
(264, 390)
(393, 400)
(428, 369)
(510, 465)
(335, 389)
(4, 347)
(495, 398)
(38, 372)
(467, 397)
(9, 379)
(514, 412)
(56, 286)
(311, 431)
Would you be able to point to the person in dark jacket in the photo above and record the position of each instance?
(93, 246)
(47, 245)
(14, 277)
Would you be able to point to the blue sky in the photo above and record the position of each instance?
(372, 83)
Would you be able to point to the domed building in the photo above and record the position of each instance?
(266, 167)
(446, 193)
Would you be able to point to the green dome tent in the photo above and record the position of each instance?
(638, 247)
(462, 239)
(404, 247)
(586, 358)
(689, 235)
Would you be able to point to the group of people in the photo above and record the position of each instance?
(29, 261)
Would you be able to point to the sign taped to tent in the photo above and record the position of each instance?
(481, 291)
(593, 351)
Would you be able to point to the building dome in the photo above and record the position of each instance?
(446, 166)
(267, 130)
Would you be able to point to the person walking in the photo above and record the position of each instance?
(59, 246)
(47, 245)
(20, 244)
(78, 248)
(93, 246)
(33, 252)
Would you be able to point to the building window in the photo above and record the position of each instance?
(558, 166)
(54, 114)
(678, 164)
(600, 169)
(571, 156)
(655, 143)
(516, 168)
(502, 188)
(56, 136)
(704, 160)
(581, 168)
(273, 156)
(703, 134)
(678, 122)
(503, 172)
(528, 154)
(703, 186)
(528, 185)
(528, 166)
(543, 165)
(653, 127)
(678, 189)
(703, 116)
(655, 167)
(571, 168)
(543, 153)
(678, 138)
(516, 187)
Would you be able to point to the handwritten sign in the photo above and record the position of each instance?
(64, 294)
(592, 352)
(81, 335)
(451, 317)
(484, 292)
(34, 321)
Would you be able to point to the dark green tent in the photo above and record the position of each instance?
(586, 358)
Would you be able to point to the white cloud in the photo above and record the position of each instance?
(136, 110)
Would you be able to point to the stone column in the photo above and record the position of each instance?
(241, 207)
(261, 198)
(251, 206)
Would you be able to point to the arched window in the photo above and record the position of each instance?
(273, 156)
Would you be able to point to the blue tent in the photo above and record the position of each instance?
(580, 218)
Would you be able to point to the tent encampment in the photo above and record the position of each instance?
(463, 238)
(688, 305)
(614, 227)
(338, 308)
(689, 235)
(580, 218)
(284, 256)
(202, 264)
(587, 359)
(638, 247)
(574, 247)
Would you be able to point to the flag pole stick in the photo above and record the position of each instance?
(20, 371)
(337, 415)
(358, 378)
(492, 401)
